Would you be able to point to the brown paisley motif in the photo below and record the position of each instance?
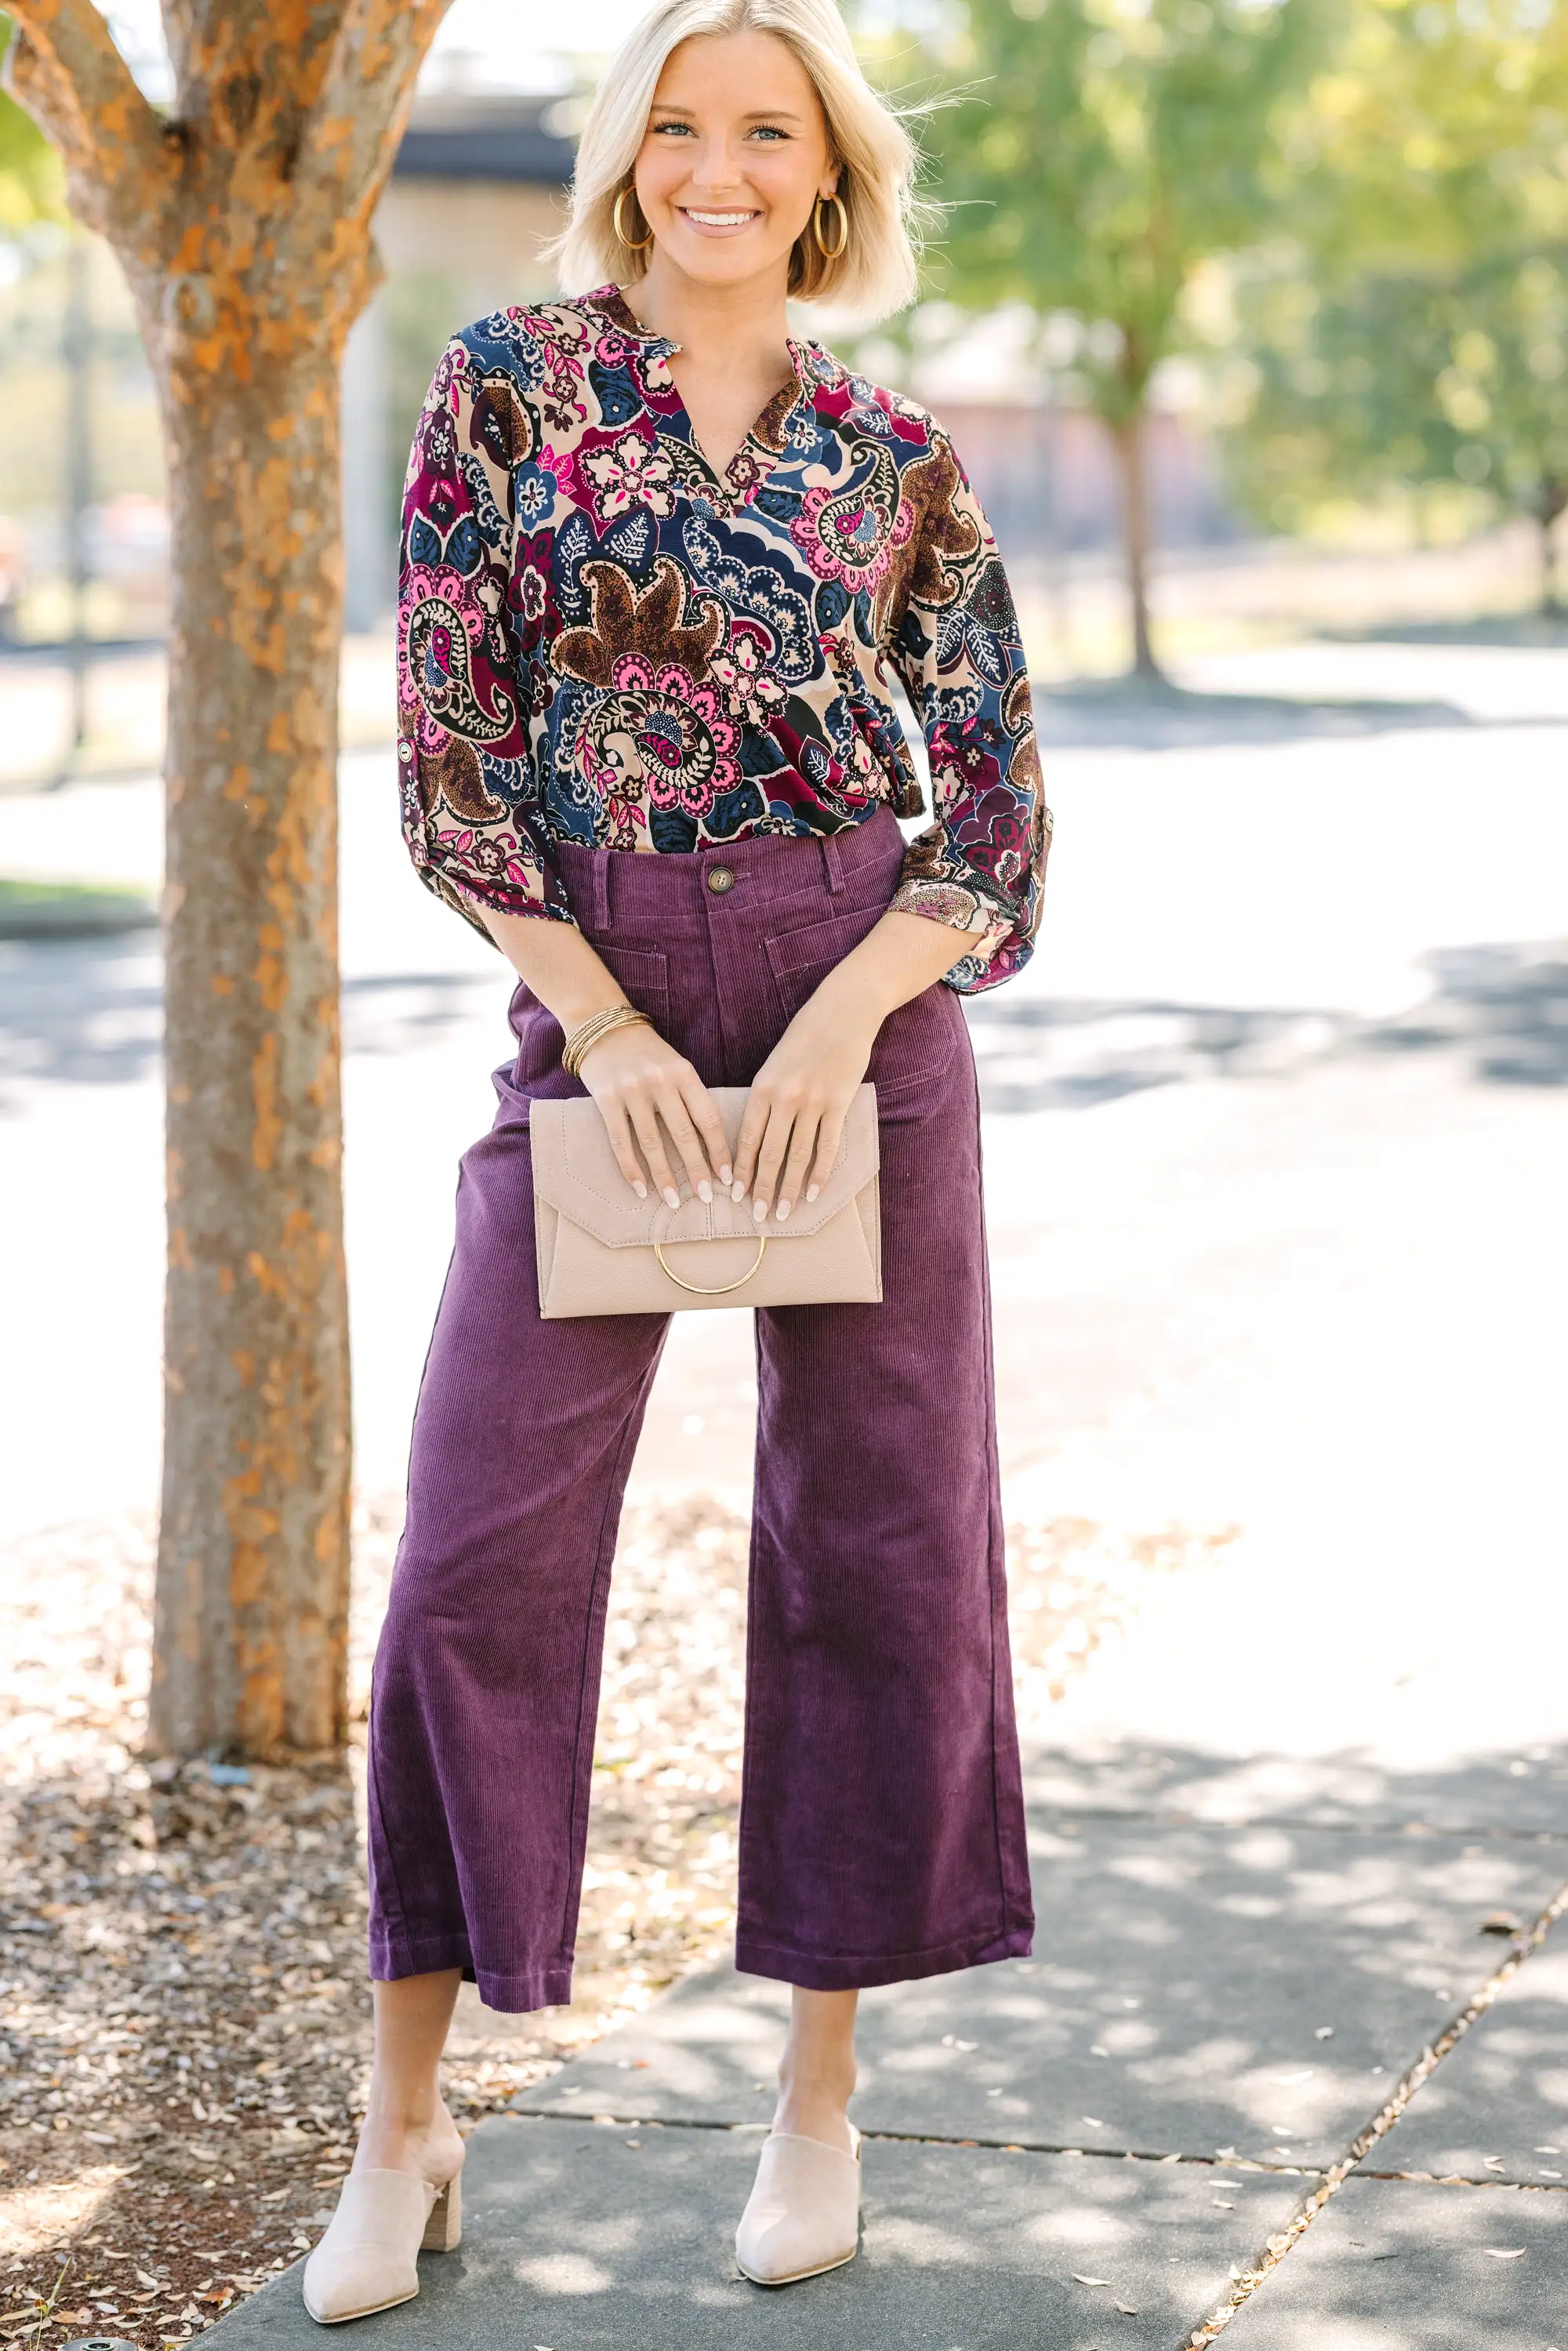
(1023, 772)
(502, 426)
(769, 428)
(945, 541)
(453, 778)
(658, 622)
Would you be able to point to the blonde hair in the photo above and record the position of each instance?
(875, 274)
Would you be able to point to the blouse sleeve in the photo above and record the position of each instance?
(958, 648)
(470, 808)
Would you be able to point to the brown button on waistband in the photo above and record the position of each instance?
(720, 879)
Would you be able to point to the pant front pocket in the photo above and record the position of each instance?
(914, 1045)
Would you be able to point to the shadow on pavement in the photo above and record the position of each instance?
(89, 1011)
(1503, 1009)
(1529, 630)
(1498, 2109)
(85, 1011)
(1252, 1990)
(1519, 1792)
(1391, 2266)
(609, 2240)
(1120, 712)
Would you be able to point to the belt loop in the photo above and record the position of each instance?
(832, 862)
(601, 890)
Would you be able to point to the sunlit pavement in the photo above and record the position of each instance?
(1276, 1158)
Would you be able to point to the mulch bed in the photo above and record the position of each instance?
(183, 2014)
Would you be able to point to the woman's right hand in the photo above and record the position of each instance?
(646, 1090)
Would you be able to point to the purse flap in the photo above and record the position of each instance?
(576, 1175)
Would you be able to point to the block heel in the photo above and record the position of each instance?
(444, 2230)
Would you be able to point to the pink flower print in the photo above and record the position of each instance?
(752, 690)
(630, 471)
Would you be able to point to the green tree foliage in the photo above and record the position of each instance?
(32, 185)
(1103, 151)
(1412, 334)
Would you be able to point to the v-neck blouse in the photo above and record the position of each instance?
(605, 641)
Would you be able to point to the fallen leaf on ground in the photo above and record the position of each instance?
(1078, 2279)
(1505, 2254)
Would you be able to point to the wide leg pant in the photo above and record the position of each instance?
(882, 1830)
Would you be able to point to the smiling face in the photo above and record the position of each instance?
(735, 156)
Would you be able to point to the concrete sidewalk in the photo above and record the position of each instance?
(1088, 2148)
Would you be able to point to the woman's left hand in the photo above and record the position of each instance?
(799, 1101)
(800, 1096)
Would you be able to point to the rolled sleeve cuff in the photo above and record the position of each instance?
(474, 900)
(959, 908)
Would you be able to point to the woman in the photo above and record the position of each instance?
(659, 562)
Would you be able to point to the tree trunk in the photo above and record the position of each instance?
(242, 218)
(253, 1568)
(1553, 504)
(1128, 435)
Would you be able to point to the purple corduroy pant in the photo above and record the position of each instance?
(882, 1832)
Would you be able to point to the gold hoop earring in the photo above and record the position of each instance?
(630, 242)
(831, 252)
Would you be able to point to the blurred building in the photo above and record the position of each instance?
(1047, 478)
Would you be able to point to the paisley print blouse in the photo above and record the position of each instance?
(604, 640)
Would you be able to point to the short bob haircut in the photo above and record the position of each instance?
(876, 272)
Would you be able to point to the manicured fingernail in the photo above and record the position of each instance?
(673, 1196)
(641, 1189)
(782, 1210)
(738, 1191)
(705, 1190)
(761, 1210)
(811, 1192)
(726, 1173)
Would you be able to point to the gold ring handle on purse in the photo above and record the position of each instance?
(714, 1289)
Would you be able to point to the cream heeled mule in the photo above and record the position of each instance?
(368, 2258)
(803, 2213)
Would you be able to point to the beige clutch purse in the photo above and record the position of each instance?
(601, 1250)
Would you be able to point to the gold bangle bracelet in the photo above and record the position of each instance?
(599, 1024)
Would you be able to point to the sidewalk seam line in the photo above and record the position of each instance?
(1417, 1831)
(1277, 2246)
(935, 2138)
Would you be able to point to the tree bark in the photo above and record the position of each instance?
(252, 1569)
(243, 225)
(1128, 435)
